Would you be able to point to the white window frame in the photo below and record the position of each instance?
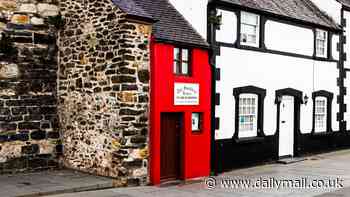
(257, 29)
(320, 114)
(248, 128)
(197, 122)
(321, 36)
(182, 61)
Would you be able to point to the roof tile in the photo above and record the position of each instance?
(170, 24)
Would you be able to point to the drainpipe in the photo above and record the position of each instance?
(342, 59)
(211, 39)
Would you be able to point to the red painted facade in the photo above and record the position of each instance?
(195, 153)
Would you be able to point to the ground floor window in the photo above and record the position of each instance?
(249, 105)
(197, 122)
(248, 108)
(322, 117)
(321, 114)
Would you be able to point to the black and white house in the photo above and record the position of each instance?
(277, 70)
(281, 76)
(339, 10)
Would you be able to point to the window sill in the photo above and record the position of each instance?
(322, 134)
(197, 132)
(247, 140)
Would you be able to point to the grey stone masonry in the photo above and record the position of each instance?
(29, 135)
(104, 91)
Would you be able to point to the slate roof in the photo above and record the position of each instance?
(345, 2)
(302, 10)
(169, 24)
(132, 8)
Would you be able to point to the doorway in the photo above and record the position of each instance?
(170, 146)
(286, 127)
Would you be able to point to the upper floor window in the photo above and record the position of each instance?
(321, 114)
(248, 115)
(321, 43)
(181, 61)
(250, 29)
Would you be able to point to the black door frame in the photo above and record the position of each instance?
(298, 100)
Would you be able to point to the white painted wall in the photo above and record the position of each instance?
(331, 7)
(347, 101)
(195, 12)
(228, 29)
(271, 72)
(278, 36)
(289, 38)
(335, 52)
(347, 34)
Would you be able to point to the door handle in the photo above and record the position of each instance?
(283, 122)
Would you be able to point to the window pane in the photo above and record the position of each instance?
(247, 113)
(321, 43)
(320, 114)
(185, 68)
(184, 55)
(196, 117)
(248, 29)
(176, 67)
(249, 18)
(176, 54)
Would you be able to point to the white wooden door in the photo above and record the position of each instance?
(286, 133)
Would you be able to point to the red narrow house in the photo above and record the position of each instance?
(180, 97)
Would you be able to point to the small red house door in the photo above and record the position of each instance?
(170, 145)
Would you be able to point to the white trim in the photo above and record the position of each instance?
(256, 25)
(322, 36)
(320, 114)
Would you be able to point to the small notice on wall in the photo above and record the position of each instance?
(186, 94)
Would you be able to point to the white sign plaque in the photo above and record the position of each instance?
(186, 94)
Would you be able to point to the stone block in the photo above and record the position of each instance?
(53, 135)
(37, 21)
(46, 10)
(134, 163)
(30, 149)
(143, 76)
(9, 71)
(19, 137)
(19, 110)
(27, 8)
(128, 97)
(29, 125)
(48, 110)
(8, 5)
(123, 79)
(8, 126)
(138, 139)
(20, 19)
(33, 117)
(4, 111)
(38, 135)
(3, 138)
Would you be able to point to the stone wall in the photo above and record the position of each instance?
(29, 137)
(104, 91)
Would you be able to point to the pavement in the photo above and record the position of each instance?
(50, 183)
(330, 173)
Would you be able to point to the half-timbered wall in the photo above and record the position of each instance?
(239, 67)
